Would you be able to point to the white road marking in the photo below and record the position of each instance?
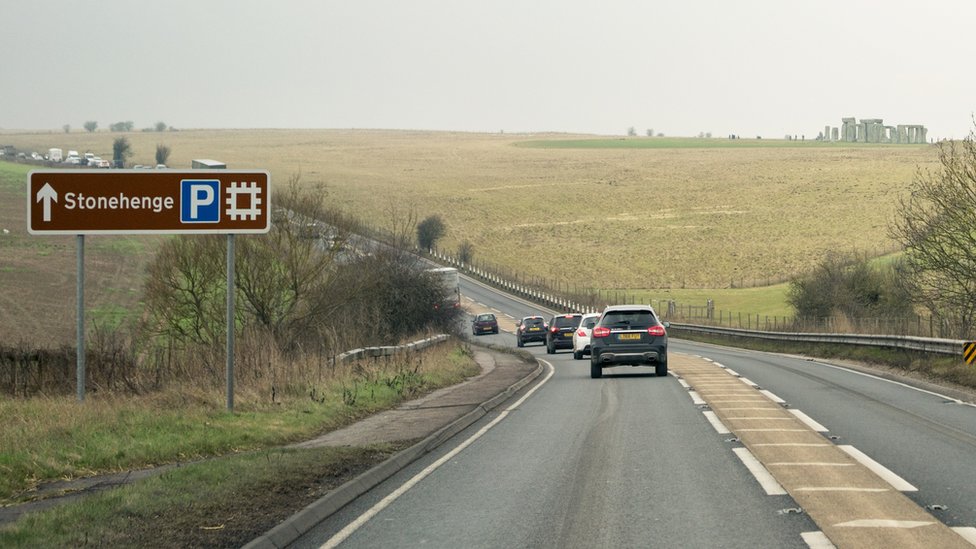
(772, 397)
(773, 430)
(351, 528)
(839, 489)
(717, 423)
(816, 445)
(968, 533)
(732, 372)
(817, 540)
(765, 479)
(748, 382)
(891, 478)
(696, 399)
(762, 417)
(883, 523)
(809, 464)
(809, 421)
(683, 383)
(764, 408)
(719, 364)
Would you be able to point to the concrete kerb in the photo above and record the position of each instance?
(298, 524)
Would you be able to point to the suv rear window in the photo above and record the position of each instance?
(564, 322)
(629, 319)
(590, 322)
(534, 322)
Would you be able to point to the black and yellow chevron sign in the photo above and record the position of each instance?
(969, 351)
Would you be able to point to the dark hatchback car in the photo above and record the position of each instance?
(485, 323)
(629, 335)
(560, 333)
(529, 329)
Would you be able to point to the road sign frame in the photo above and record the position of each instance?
(149, 190)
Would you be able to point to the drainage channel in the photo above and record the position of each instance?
(855, 501)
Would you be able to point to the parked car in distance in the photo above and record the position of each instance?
(629, 335)
(484, 323)
(581, 337)
(560, 333)
(529, 329)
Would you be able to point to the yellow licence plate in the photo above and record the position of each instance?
(533, 329)
(629, 337)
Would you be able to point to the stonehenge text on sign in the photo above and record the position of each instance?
(144, 202)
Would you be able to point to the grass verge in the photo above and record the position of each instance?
(219, 503)
(50, 438)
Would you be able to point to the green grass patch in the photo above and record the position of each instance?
(218, 503)
(14, 176)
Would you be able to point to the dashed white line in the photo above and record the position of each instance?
(891, 478)
(696, 399)
(968, 533)
(766, 480)
(748, 382)
(817, 540)
(772, 397)
(809, 422)
(717, 423)
(883, 523)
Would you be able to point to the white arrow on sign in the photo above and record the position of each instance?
(47, 194)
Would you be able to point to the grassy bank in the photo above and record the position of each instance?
(45, 439)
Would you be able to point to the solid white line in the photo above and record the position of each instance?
(717, 423)
(696, 399)
(772, 397)
(817, 540)
(809, 421)
(968, 533)
(891, 478)
(883, 523)
(907, 386)
(765, 479)
(351, 528)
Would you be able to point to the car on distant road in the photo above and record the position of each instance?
(581, 337)
(560, 333)
(629, 335)
(529, 329)
(485, 323)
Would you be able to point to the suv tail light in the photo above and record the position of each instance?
(554, 329)
(601, 331)
(656, 330)
(581, 333)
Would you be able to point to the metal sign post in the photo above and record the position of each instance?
(80, 202)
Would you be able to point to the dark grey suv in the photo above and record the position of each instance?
(629, 335)
(560, 334)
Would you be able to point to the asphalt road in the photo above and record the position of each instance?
(631, 460)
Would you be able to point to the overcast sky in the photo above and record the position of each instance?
(680, 67)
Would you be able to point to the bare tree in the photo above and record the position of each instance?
(121, 151)
(162, 154)
(466, 252)
(937, 225)
(91, 126)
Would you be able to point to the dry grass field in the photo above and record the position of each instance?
(656, 213)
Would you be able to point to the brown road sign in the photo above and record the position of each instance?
(144, 201)
(969, 351)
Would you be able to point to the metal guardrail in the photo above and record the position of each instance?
(390, 350)
(924, 344)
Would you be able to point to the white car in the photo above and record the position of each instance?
(581, 337)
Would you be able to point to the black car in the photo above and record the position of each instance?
(629, 335)
(529, 329)
(485, 323)
(560, 332)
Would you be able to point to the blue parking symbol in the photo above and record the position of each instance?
(200, 201)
